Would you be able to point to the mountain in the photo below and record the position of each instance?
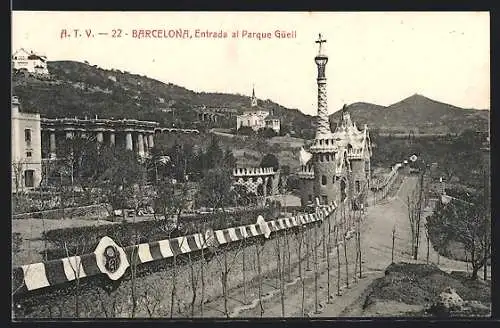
(418, 114)
(79, 89)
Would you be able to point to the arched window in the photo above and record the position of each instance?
(323, 180)
(333, 179)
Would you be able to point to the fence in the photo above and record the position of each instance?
(97, 210)
(269, 239)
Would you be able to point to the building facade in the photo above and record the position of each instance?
(26, 155)
(127, 134)
(257, 118)
(336, 168)
(30, 61)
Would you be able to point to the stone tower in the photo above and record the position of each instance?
(337, 166)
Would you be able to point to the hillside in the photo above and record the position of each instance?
(79, 89)
(418, 114)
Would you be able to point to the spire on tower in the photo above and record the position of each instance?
(254, 100)
(323, 122)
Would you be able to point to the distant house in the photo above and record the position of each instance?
(257, 118)
(274, 123)
(30, 61)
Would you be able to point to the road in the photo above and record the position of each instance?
(223, 134)
(376, 235)
(377, 243)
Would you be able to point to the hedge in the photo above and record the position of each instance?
(82, 240)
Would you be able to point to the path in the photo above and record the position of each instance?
(377, 241)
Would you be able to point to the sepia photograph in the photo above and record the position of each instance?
(178, 165)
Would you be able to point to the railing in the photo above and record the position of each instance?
(248, 171)
(45, 274)
(388, 179)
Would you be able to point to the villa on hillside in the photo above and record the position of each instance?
(30, 61)
(257, 118)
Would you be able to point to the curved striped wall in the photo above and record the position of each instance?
(51, 273)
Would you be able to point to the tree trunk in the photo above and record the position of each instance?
(307, 249)
(338, 258)
(346, 261)
(475, 270)
(288, 255)
(193, 285)
(324, 238)
(393, 238)
(359, 248)
(316, 267)
(202, 301)
(244, 276)
(428, 248)
(300, 268)
(259, 269)
(224, 284)
(174, 283)
(134, 297)
(328, 262)
(280, 275)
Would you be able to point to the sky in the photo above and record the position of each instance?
(374, 57)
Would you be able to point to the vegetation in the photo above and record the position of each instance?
(458, 158)
(467, 221)
(79, 89)
(270, 160)
(416, 114)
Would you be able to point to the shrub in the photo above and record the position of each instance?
(16, 242)
(81, 240)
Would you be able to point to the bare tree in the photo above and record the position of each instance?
(244, 269)
(413, 218)
(287, 243)
(280, 273)
(393, 239)
(308, 248)
(328, 258)
(359, 243)
(464, 222)
(259, 247)
(344, 240)
(336, 229)
(299, 235)
(316, 268)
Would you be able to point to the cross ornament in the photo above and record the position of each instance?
(320, 41)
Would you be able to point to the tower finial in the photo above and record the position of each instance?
(254, 100)
(320, 41)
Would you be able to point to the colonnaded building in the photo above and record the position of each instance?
(337, 166)
(36, 139)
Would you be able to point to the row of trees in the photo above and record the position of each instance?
(458, 157)
(265, 133)
(464, 218)
(90, 172)
(303, 253)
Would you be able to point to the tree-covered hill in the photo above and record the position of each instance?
(80, 89)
